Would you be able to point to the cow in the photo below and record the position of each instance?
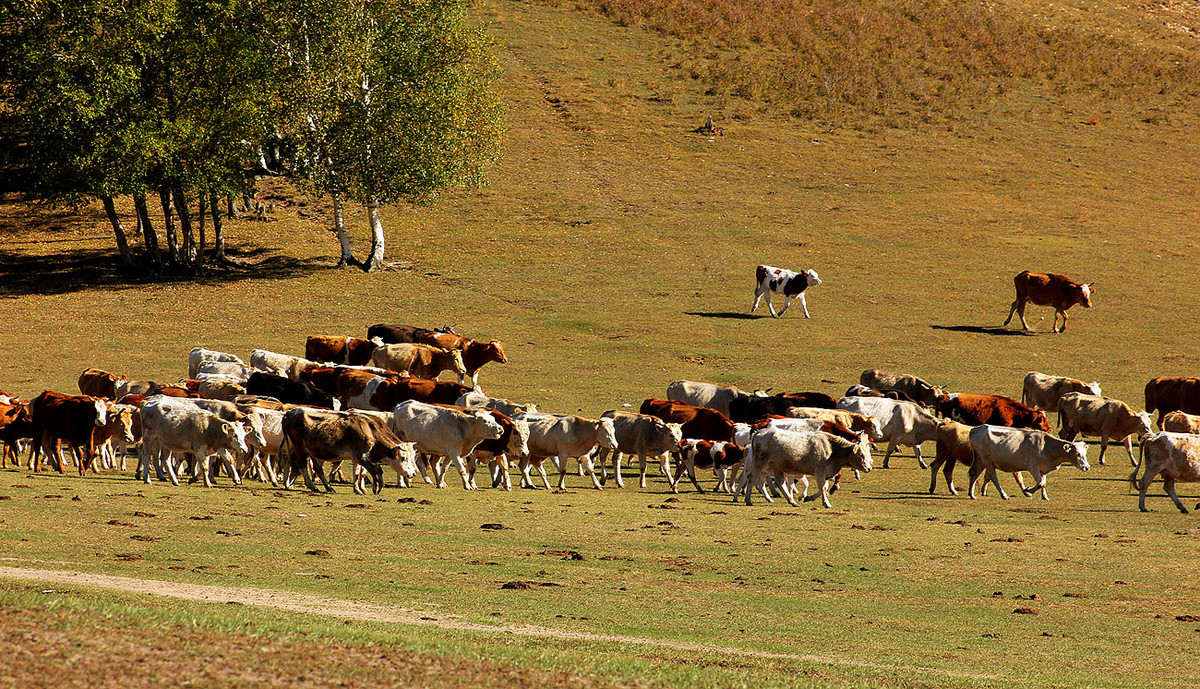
(900, 422)
(229, 369)
(176, 391)
(385, 394)
(171, 427)
(57, 417)
(1179, 422)
(860, 390)
(1169, 393)
(279, 364)
(800, 425)
(221, 389)
(199, 355)
(699, 423)
(705, 394)
(752, 409)
(144, 388)
(475, 399)
(288, 391)
(721, 456)
(642, 435)
(818, 400)
(997, 410)
(859, 423)
(790, 284)
(1041, 391)
(563, 436)
(474, 354)
(1001, 448)
(1049, 289)
(401, 334)
(448, 434)
(1102, 416)
(94, 382)
(779, 453)
(325, 436)
(248, 417)
(512, 443)
(420, 361)
(339, 350)
(16, 424)
(916, 389)
(118, 427)
(954, 447)
(1174, 455)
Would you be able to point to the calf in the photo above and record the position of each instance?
(221, 389)
(339, 350)
(1000, 448)
(118, 428)
(1102, 416)
(790, 284)
(96, 383)
(779, 453)
(751, 409)
(1179, 422)
(642, 435)
(420, 361)
(444, 433)
(1174, 455)
(57, 417)
(288, 391)
(996, 410)
(1049, 289)
(722, 457)
(400, 334)
(563, 437)
(817, 400)
(1041, 391)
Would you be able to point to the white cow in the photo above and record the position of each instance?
(1174, 455)
(1000, 448)
(901, 422)
(708, 395)
(476, 399)
(779, 453)
(1102, 416)
(444, 433)
(642, 435)
(178, 429)
(563, 436)
(1041, 391)
(199, 355)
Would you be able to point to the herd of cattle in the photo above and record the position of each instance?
(377, 401)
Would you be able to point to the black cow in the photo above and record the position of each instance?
(288, 391)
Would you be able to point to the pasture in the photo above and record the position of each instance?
(614, 253)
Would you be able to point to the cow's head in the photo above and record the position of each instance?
(234, 435)
(495, 352)
(404, 460)
(675, 432)
(518, 440)
(101, 409)
(813, 280)
(874, 429)
(606, 434)
(457, 365)
(122, 415)
(861, 455)
(490, 427)
(1094, 388)
(1144, 427)
(1085, 294)
(1077, 454)
(253, 425)
(1040, 421)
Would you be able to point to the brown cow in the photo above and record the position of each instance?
(1049, 289)
(385, 394)
(1179, 422)
(97, 383)
(339, 350)
(15, 424)
(400, 334)
(1171, 393)
(58, 417)
(699, 423)
(475, 354)
(816, 400)
(996, 410)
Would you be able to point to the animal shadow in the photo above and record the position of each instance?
(986, 330)
(729, 315)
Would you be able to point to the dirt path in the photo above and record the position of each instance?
(368, 612)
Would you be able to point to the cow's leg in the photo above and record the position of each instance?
(1129, 449)
(804, 304)
(524, 465)
(1063, 329)
(616, 465)
(1169, 485)
(1038, 479)
(785, 489)
(761, 480)
(591, 470)
(933, 469)
(770, 306)
(1104, 447)
(787, 301)
(541, 467)
(423, 465)
(888, 454)
(603, 457)
(758, 295)
(1012, 311)
(691, 470)
(822, 490)
(920, 459)
(462, 471)
(991, 476)
(319, 468)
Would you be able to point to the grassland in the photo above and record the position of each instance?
(612, 254)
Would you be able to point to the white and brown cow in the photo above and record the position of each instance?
(724, 458)
(1103, 416)
(642, 435)
(1174, 455)
(786, 282)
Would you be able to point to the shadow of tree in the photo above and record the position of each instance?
(81, 270)
(985, 330)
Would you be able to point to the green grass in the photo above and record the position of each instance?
(609, 254)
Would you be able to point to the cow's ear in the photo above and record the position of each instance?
(1091, 287)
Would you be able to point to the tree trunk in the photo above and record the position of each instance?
(203, 203)
(185, 227)
(149, 236)
(119, 230)
(219, 231)
(374, 260)
(164, 197)
(229, 203)
(339, 225)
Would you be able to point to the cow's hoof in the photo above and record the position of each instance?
(1143, 509)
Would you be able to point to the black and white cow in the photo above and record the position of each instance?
(786, 282)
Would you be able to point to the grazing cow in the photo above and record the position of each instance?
(817, 400)
(996, 410)
(16, 423)
(642, 435)
(1102, 416)
(900, 422)
(860, 390)
(752, 409)
(1000, 448)
(474, 354)
(288, 391)
(699, 423)
(859, 423)
(324, 436)
(96, 383)
(513, 442)
(478, 400)
(385, 394)
(171, 427)
(57, 417)
(447, 434)
(705, 394)
(1170, 393)
(954, 447)
(914, 388)
(199, 355)
(1179, 422)
(420, 361)
(118, 427)
(339, 350)
(721, 456)
(1049, 289)
(779, 453)
(1174, 455)
(1041, 391)
(563, 437)
(229, 369)
(786, 282)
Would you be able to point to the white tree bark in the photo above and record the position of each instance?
(339, 225)
(375, 258)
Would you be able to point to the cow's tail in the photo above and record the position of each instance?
(1137, 467)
